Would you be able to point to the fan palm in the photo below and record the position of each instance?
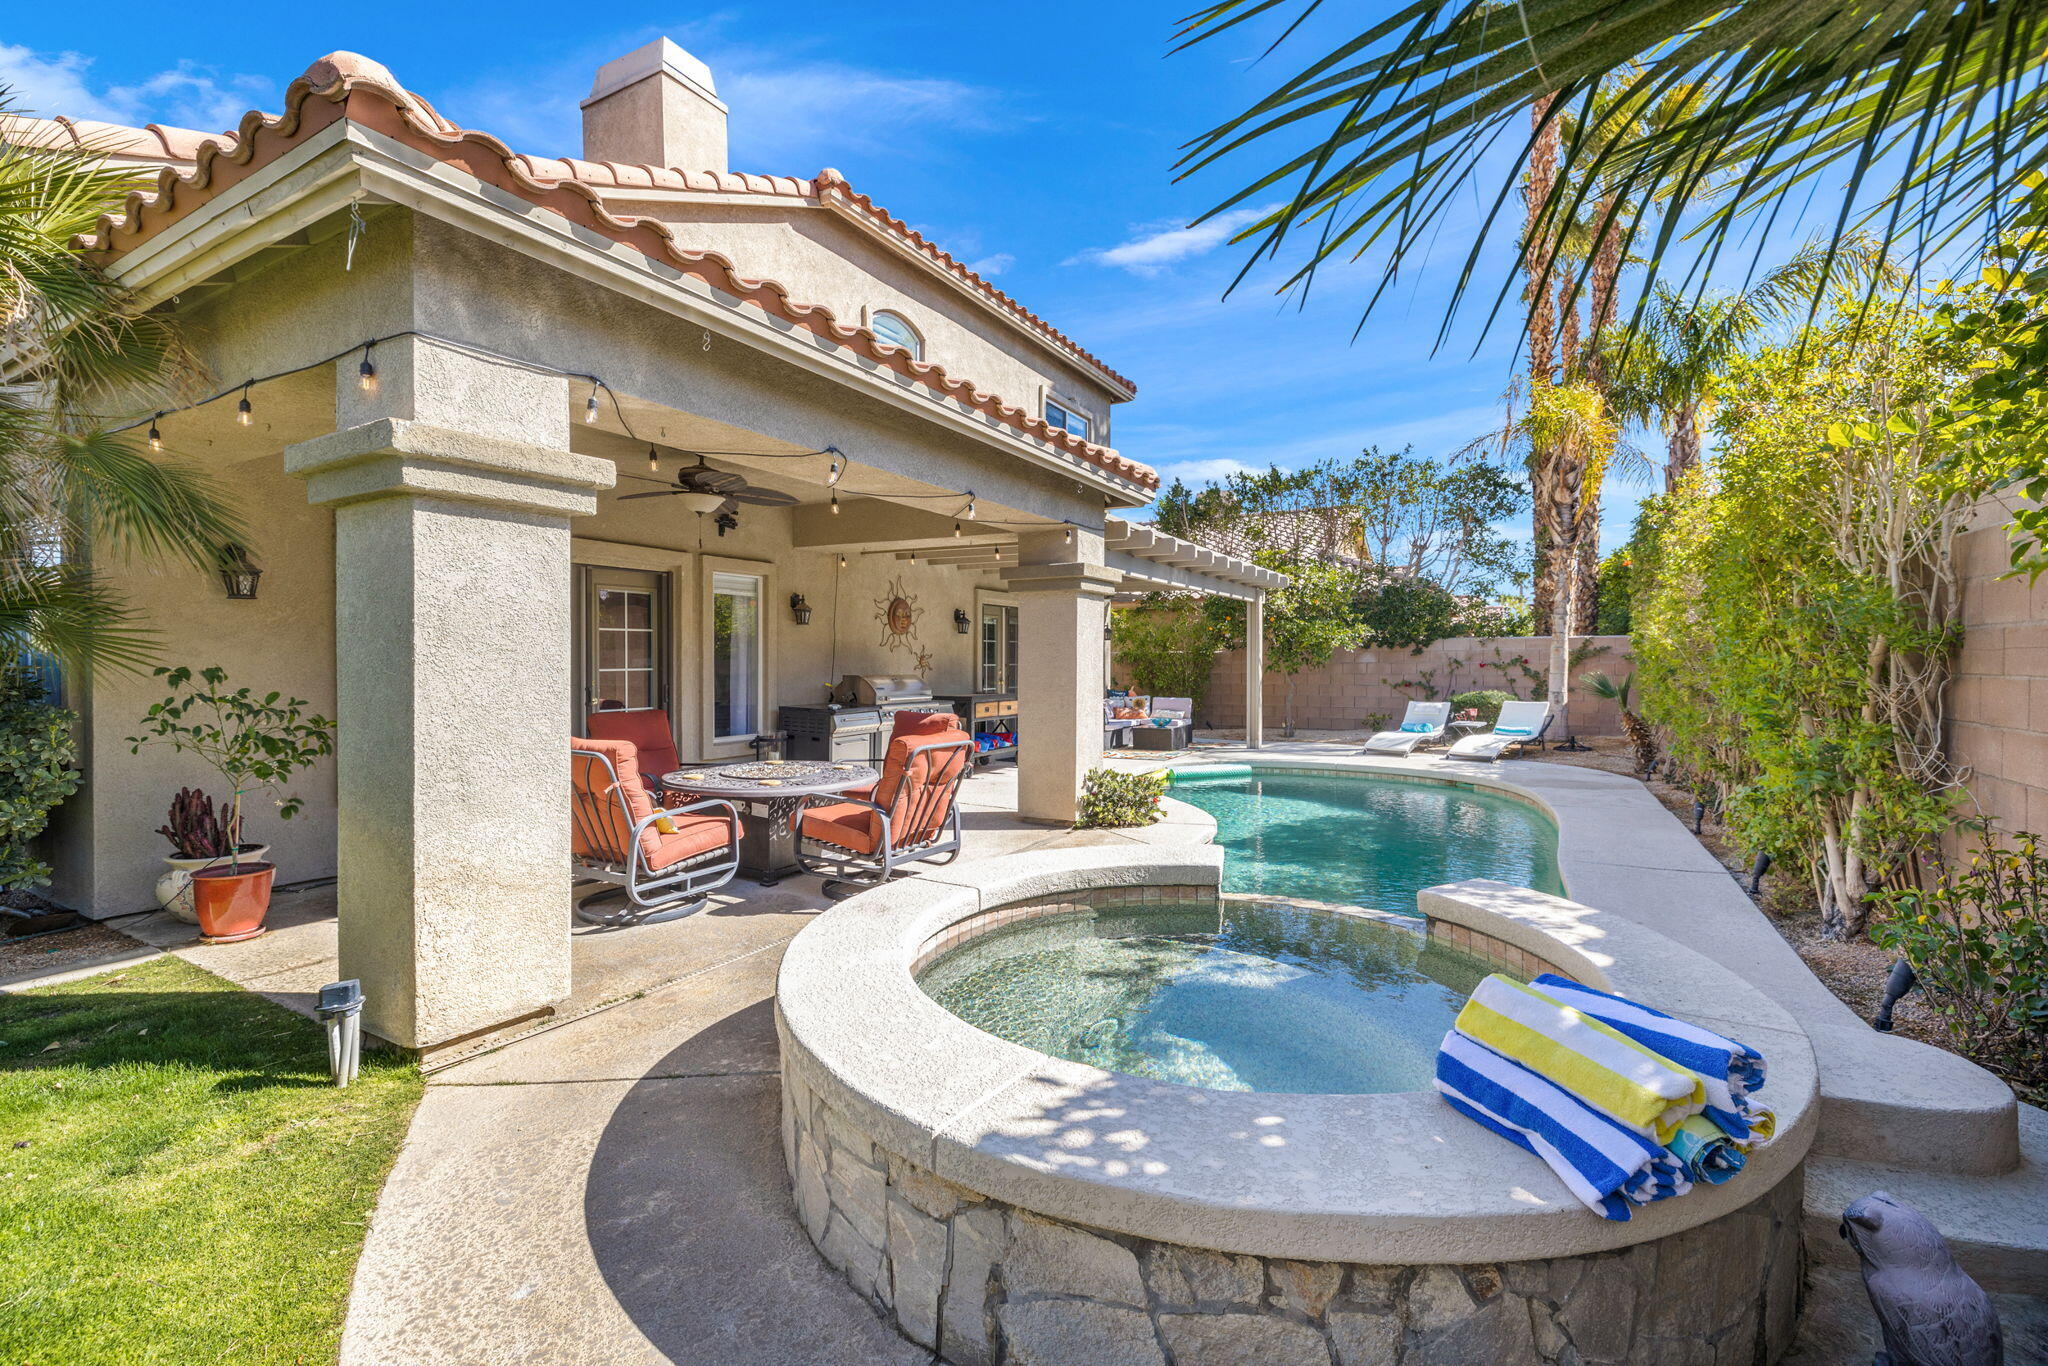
(1928, 115)
(1669, 371)
(73, 343)
(1639, 735)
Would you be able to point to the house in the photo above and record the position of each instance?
(451, 374)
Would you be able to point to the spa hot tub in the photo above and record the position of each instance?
(1013, 1187)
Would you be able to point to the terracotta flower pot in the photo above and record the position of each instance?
(174, 889)
(232, 902)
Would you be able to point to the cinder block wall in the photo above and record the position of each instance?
(1998, 704)
(1358, 683)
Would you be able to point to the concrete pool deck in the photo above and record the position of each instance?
(613, 1192)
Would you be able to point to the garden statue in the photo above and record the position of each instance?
(1930, 1312)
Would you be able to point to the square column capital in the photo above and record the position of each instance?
(1076, 577)
(392, 457)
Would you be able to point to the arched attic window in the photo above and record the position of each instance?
(895, 329)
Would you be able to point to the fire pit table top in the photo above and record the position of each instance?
(768, 779)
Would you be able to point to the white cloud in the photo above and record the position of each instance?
(1202, 471)
(988, 267)
(186, 95)
(790, 118)
(1159, 245)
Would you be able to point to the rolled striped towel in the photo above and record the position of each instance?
(1731, 1070)
(1709, 1155)
(1609, 1167)
(1594, 1061)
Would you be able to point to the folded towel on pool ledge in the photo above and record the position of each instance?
(1608, 1166)
(1594, 1061)
(1732, 1071)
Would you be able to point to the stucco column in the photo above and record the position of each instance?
(452, 623)
(1063, 593)
(1255, 672)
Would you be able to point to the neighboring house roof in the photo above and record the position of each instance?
(348, 85)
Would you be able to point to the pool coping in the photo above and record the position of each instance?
(1376, 1179)
(1887, 1100)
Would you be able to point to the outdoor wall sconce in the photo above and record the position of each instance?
(799, 609)
(237, 575)
(960, 622)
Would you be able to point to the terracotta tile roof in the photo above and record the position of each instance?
(829, 188)
(345, 85)
(152, 142)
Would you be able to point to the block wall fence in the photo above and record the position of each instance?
(1998, 705)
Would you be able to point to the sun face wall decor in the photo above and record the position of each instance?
(898, 613)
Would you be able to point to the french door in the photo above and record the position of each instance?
(622, 635)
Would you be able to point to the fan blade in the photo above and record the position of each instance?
(760, 497)
(658, 493)
(701, 480)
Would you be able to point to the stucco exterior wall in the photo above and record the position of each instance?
(1998, 705)
(824, 260)
(1357, 683)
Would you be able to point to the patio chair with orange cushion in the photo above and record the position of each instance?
(913, 815)
(666, 860)
(650, 734)
(907, 723)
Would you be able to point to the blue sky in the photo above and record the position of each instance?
(1034, 140)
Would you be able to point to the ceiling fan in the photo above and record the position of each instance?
(704, 489)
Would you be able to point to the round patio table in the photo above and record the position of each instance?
(770, 795)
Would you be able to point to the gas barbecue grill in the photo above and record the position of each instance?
(855, 725)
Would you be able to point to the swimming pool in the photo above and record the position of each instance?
(1229, 995)
(1364, 840)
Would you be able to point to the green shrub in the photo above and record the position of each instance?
(1486, 701)
(1977, 941)
(1110, 799)
(36, 773)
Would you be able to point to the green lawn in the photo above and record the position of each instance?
(179, 1181)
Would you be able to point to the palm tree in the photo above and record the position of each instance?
(1375, 142)
(1668, 371)
(1639, 737)
(72, 343)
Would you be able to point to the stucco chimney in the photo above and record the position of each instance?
(655, 106)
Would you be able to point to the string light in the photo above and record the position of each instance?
(242, 409)
(366, 373)
(590, 406)
(833, 477)
(956, 531)
(835, 505)
(842, 562)
(1070, 535)
(653, 461)
(156, 438)
(970, 505)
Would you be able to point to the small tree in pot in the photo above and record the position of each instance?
(256, 743)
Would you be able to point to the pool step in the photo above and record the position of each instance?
(1997, 1225)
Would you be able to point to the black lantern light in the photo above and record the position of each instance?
(799, 609)
(960, 622)
(237, 574)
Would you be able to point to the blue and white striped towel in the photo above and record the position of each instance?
(1607, 1165)
(1731, 1070)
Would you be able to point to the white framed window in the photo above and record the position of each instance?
(1059, 415)
(737, 675)
(895, 329)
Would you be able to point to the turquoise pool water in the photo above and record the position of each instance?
(1234, 997)
(1366, 841)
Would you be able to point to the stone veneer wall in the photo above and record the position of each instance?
(987, 1284)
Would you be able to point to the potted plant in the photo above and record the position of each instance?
(196, 834)
(256, 743)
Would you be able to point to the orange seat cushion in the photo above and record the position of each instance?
(923, 723)
(845, 825)
(694, 835)
(647, 731)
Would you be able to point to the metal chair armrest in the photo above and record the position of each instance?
(640, 827)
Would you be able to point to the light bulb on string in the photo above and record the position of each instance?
(956, 531)
(835, 505)
(653, 461)
(842, 562)
(970, 506)
(366, 373)
(243, 412)
(590, 407)
(1070, 535)
(833, 477)
(156, 438)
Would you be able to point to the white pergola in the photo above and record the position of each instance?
(1151, 561)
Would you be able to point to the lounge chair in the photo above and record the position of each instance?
(1519, 723)
(667, 860)
(1425, 721)
(913, 814)
(652, 738)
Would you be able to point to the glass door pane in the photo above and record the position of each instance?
(735, 655)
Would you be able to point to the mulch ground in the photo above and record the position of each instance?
(24, 950)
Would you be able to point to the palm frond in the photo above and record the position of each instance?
(1707, 114)
(69, 612)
